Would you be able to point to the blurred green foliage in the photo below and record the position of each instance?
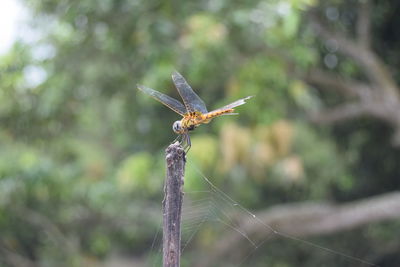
(82, 161)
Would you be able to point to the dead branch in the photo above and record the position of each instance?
(340, 113)
(172, 205)
(347, 87)
(364, 23)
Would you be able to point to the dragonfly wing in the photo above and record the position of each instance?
(233, 105)
(191, 100)
(170, 102)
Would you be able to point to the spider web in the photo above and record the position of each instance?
(211, 216)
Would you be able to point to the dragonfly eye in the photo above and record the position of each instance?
(176, 127)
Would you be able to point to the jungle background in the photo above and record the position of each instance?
(315, 154)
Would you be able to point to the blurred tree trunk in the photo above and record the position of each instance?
(378, 96)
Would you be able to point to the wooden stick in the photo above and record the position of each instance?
(172, 205)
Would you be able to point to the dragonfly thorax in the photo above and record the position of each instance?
(188, 123)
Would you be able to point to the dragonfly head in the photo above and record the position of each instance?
(177, 127)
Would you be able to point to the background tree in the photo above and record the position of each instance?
(81, 164)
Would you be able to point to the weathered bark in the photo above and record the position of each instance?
(172, 205)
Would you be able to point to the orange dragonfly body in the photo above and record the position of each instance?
(193, 111)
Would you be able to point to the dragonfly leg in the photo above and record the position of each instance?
(177, 139)
(188, 144)
(184, 141)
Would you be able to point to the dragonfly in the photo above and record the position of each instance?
(193, 110)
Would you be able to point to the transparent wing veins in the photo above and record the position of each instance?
(168, 101)
(191, 100)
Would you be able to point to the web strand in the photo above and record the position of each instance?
(230, 201)
(206, 209)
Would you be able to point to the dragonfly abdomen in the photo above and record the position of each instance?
(208, 116)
